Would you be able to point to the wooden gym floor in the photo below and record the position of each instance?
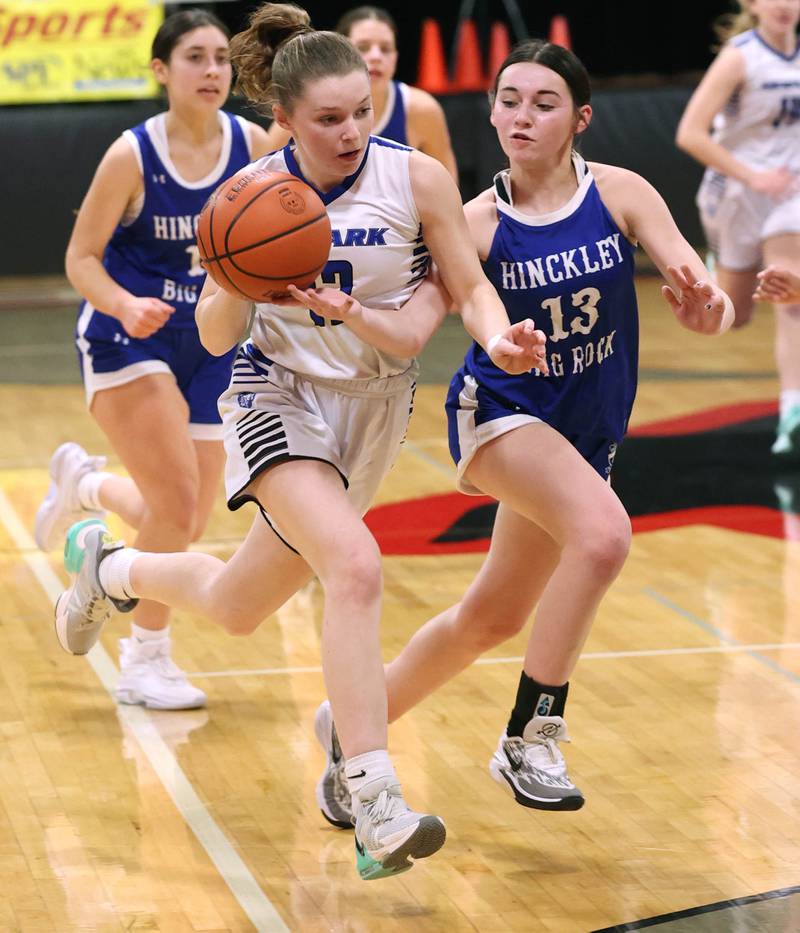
(684, 709)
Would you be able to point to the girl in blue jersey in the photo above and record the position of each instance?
(314, 415)
(150, 384)
(403, 113)
(749, 199)
(556, 236)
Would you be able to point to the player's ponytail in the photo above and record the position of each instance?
(731, 24)
(280, 51)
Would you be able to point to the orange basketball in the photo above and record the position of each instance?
(261, 231)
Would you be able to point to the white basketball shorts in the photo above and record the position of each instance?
(737, 220)
(271, 414)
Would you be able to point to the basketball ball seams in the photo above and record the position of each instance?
(244, 249)
(239, 228)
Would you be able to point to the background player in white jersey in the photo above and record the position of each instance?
(403, 113)
(314, 417)
(749, 199)
(557, 239)
(150, 385)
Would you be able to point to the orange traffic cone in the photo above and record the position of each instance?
(468, 74)
(432, 70)
(559, 32)
(499, 48)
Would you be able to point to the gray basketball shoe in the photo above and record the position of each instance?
(83, 609)
(533, 769)
(333, 795)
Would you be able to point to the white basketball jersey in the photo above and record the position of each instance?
(760, 124)
(377, 255)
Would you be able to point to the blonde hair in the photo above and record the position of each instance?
(731, 24)
(280, 52)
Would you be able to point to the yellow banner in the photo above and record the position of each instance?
(76, 49)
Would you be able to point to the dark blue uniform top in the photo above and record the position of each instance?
(395, 127)
(572, 273)
(156, 255)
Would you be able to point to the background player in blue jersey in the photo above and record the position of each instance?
(314, 416)
(556, 237)
(749, 199)
(150, 385)
(403, 113)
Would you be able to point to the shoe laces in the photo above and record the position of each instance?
(388, 805)
(96, 611)
(341, 791)
(543, 753)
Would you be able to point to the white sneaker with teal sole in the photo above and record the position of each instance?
(388, 834)
(61, 507)
(83, 609)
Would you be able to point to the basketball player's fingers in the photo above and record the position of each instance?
(672, 298)
(158, 305)
(303, 295)
(676, 279)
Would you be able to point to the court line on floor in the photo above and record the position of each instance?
(588, 656)
(728, 640)
(244, 887)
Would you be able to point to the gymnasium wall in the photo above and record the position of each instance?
(49, 154)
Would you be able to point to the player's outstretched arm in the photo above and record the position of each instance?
(221, 318)
(778, 285)
(515, 349)
(696, 301)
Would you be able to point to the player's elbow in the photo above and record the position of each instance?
(686, 138)
(217, 348)
(215, 343)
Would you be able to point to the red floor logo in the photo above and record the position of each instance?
(713, 467)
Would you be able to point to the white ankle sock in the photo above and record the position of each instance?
(115, 573)
(366, 769)
(147, 634)
(89, 490)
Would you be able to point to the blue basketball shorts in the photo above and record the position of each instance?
(109, 357)
(474, 418)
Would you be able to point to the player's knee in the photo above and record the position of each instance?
(488, 623)
(199, 526)
(176, 507)
(357, 577)
(603, 548)
(494, 630)
(236, 619)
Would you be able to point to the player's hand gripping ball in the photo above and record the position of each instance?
(261, 231)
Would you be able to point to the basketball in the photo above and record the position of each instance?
(261, 231)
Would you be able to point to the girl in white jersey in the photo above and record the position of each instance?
(314, 417)
(743, 123)
(403, 113)
(150, 385)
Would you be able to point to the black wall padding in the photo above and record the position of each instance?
(50, 152)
